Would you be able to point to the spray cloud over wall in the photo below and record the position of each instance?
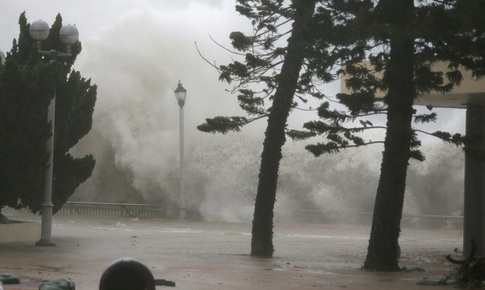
(136, 57)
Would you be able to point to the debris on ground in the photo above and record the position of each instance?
(8, 278)
(468, 273)
(58, 284)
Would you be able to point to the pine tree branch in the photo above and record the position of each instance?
(204, 58)
(333, 147)
(225, 125)
(455, 139)
(225, 48)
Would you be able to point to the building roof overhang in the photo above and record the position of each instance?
(471, 92)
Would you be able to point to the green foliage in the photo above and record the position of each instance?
(236, 69)
(321, 148)
(223, 124)
(252, 104)
(28, 82)
(70, 172)
(425, 118)
(298, 135)
(240, 41)
(455, 139)
(24, 97)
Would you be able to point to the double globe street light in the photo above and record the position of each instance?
(69, 35)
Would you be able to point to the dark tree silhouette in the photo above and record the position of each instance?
(27, 84)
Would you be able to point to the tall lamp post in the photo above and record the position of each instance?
(180, 95)
(39, 30)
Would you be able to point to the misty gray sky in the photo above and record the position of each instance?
(107, 21)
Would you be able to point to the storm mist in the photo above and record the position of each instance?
(136, 54)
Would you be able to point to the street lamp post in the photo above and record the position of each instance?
(39, 30)
(180, 95)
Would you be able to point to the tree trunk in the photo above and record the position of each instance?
(262, 231)
(382, 252)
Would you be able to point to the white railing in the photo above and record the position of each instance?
(407, 221)
(134, 210)
(118, 209)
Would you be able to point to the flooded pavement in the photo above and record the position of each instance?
(215, 255)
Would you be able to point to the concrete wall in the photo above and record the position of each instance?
(20, 232)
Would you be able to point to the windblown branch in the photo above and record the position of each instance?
(225, 125)
(456, 139)
(332, 147)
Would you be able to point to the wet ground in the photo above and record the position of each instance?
(214, 255)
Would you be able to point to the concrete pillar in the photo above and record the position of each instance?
(474, 206)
